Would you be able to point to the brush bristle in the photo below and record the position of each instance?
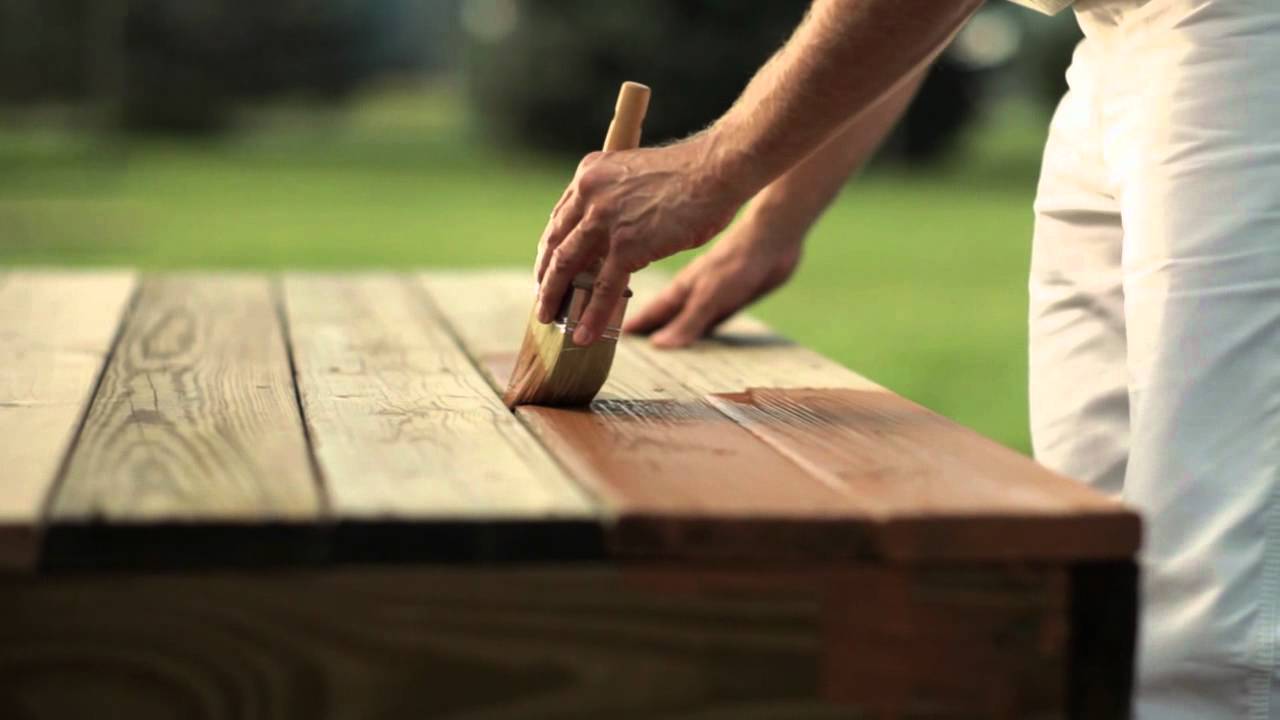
(552, 370)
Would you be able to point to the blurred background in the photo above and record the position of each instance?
(424, 133)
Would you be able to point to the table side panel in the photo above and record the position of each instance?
(989, 641)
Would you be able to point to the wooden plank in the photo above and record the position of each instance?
(934, 489)
(678, 478)
(403, 643)
(587, 641)
(195, 423)
(56, 329)
(410, 438)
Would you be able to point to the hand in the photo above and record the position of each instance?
(743, 266)
(626, 210)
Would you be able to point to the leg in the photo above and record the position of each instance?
(1194, 142)
(1079, 397)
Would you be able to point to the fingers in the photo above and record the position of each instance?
(658, 311)
(700, 312)
(569, 258)
(566, 216)
(606, 293)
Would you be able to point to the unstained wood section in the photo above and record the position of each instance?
(56, 328)
(933, 488)
(403, 424)
(196, 419)
(403, 643)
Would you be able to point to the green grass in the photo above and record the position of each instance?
(917, 281)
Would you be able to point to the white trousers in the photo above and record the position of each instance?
(1155, 329)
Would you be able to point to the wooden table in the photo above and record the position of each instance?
(298, 496)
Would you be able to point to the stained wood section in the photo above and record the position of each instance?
(933, 489)
(196, 420)
(425, 643)
(410, 437)
(56, 328)
(676, 477)
(984, 641)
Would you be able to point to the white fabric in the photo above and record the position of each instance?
(1155, 328)
(1048, 7)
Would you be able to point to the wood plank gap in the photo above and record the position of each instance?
(317, 473)
(446, 323)
(423, 463)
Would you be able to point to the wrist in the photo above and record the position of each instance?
(723, 166)
(777, 219)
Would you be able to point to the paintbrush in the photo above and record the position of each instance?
(551, 369)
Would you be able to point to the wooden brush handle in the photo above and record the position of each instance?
(628, 115)
(624, 134)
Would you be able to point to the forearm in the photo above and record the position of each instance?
(795, 199)
(844, 57)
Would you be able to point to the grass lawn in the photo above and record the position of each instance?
(915, 280)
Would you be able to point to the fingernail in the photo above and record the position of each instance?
(582, 336)
(544, 317)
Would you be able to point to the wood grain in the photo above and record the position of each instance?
(196, 420)
(677, 478)
(56, 329)
(932, 488)
(403, 643)
(409, 436)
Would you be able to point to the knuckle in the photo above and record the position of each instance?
(562, 259)
(622, 238)
(593, 178)
(605, 286)
(631, 261)
(635, 265)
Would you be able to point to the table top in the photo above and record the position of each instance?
(245, 419)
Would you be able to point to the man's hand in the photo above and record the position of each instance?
(628, 209)
(743, 266)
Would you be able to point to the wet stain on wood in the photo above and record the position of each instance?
(682, 479)
(932, 487)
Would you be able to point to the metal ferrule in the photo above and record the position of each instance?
(575, 302)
